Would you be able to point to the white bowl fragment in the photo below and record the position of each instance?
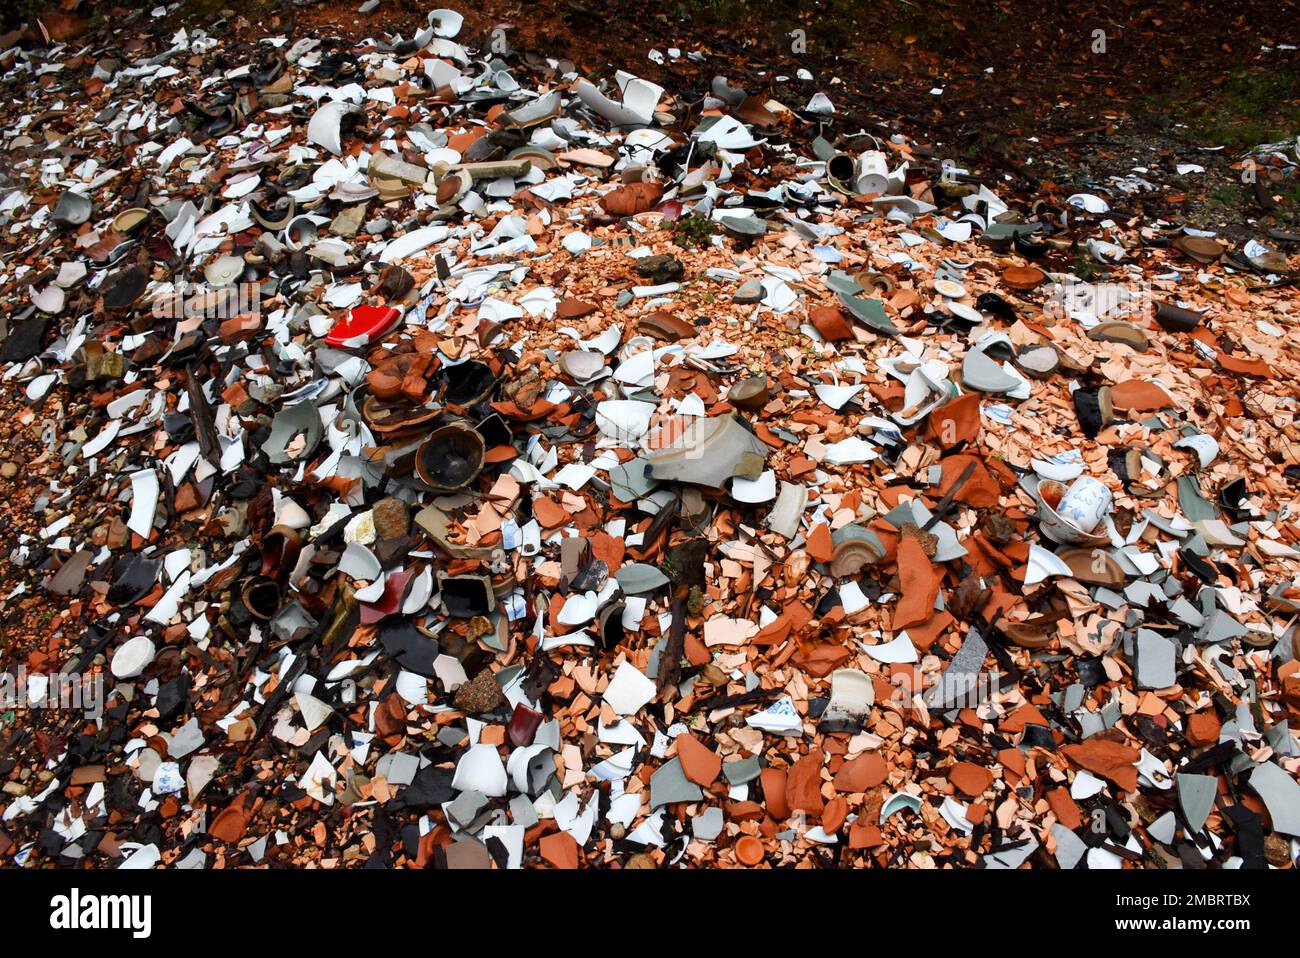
(132, 657)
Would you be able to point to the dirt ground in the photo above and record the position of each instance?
(1055, 99)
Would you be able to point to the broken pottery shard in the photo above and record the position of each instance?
(636, 578)
(1155, 661)
(628, 690)
(669, 785)
(1281, 796)
(709, 453)
(960, 679)
(869, 312)
(1196, 797)
(327, 124)
(638, 99)
(788, 509)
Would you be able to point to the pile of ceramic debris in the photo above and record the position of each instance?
(549, 472)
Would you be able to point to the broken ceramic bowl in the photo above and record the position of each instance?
(468, 383)
(466, 596)
(130, 220)
(363, 326)
(1201, 249)
(300, 232)
(331, 122)
(897, 803)
(261, 597)
(1038, 361)
(296, 431)
(451, 458)
(852, 696)
(584, 365)
(1175, 319)
(132, 657)
(639, 99)
(981, 371)
(1118, 331)
(1023, 278)
(856, 548)
(750, 394)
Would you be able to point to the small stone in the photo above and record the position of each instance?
(348, 222)
(392, 518)
(927, 540)
(1277, 850)
(479, 695)
(104, 366)
(660, 268)
(999, 529)
(9, 470)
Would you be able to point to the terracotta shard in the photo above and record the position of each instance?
(560, 849)
(773, 781)
(803, 784)
(834, 815)
(819, 543)
(632, 199)
(980, 489)
(574, 309)
(970, 779)
(1110, 760)
(955, 422)
(831, 323)
(1137, 395)
(700, 764)
(919, 584)
(861, 774)
(231, 823)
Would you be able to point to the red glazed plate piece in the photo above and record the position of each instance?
(363, 326)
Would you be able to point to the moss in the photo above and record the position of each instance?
(692, 231)
(1250, 106)
(1086, 269)
(1226, 195)
(1253, 106)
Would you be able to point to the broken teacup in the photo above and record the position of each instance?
(1058, 528)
